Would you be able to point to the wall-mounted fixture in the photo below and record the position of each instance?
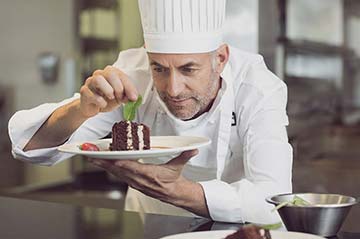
(48, 63)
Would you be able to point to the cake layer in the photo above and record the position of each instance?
(127, 135)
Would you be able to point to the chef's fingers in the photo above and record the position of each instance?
(182, 159)
(123, 89)
(91, 98)
(99, 85)
(143, 175)
(135, 177)
(98, 72)
(129, 88)
(108, 165)
(140, 172)
(113, 78)
(112, 75)
(132, 166)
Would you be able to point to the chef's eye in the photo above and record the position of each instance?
(158, 69)
(188, 70)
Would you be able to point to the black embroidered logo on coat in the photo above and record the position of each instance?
(233, 122)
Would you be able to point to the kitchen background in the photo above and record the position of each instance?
(47, 49)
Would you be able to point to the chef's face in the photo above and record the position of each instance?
(188, 83)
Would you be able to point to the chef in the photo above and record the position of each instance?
(192, 83)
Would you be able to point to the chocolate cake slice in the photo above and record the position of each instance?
(127, 135)
(250, 232)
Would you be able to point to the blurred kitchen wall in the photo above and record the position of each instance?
(352, 38)
(28, 30)
(130, 25)
(253, 26)
(241, 25)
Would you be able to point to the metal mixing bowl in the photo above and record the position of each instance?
(323, 217)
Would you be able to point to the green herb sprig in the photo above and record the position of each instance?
(129, 109)
(274, 226)
(297, 201)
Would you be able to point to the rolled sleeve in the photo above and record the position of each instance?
(45, 157)
(22, 127)
(222, 201)
(242, 201)
(24, 124)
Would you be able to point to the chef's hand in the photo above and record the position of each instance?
(158, 181)
(105, 90)
(163, 182)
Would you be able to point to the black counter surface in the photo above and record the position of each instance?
(29, 219)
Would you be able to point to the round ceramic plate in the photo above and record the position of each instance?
(223, 234)
(161, 146)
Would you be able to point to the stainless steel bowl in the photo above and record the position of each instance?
(323, 217)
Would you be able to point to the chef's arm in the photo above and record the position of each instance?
(58, 127)
(267, 160)
(104, 91)
(25, 123)
(190, 196)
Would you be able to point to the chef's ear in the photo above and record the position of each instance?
(221, 58)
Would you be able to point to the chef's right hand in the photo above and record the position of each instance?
(106, 90)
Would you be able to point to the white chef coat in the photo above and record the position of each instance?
(248, 160)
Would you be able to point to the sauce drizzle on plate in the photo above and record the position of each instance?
(160, 147)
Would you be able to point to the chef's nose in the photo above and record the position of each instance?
(175, 84)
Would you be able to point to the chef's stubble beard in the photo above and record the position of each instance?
(200, 102)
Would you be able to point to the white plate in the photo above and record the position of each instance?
(224, 233)
(174, 145)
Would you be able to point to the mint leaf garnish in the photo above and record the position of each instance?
(129, 109)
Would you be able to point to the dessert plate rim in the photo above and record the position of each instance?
(174, 146)
(220, 234)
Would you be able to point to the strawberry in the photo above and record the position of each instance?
(89, 147)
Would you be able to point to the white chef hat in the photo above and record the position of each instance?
(182, 26)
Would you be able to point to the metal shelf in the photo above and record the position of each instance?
(95, 4)
(313, 48)
(302, 78)
(93, 44)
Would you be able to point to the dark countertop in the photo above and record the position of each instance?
(23, 218)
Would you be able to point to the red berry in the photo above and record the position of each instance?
(89, 147)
